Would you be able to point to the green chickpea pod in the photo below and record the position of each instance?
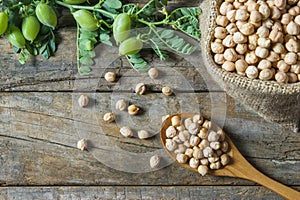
(46, 15)
(86, 20)
(15, 37)
(3, 22)
(130, 46)
(30, 28)
(121, 27)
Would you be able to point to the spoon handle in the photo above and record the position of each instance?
(243, 169)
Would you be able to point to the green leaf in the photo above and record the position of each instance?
(138, 63)
(86, 44)
(46, 53)
(115, 4)
(86, 61)
(85, 70)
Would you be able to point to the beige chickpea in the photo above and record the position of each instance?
(126, 131)
(294, 11)
(203, 170)
(154, 161)
(251, 58)
(222, 20)
(239, 38)
(230, 15)
(299, 77)
(266, 74)
(109, 117)
(140, 88)
(224, 159)
(216, 165)
(121, 105)
(280, 4)
(264, 10)
(198, 154)
(251, 72)
(264, 64)
(281, 77)
(275, 13)
(83, 100)
(142, 134)
(256, 24)
(220, 32)
(286, 18)
(293, 28)
(171, 145)
(261, 52)
(189, 152)
(225, 7)
(293, 45)
(217, 47)
(290, 58)
(276, 36)
(263, 32)
(268, 23)
(295, 68)
(181, 158)
(230, 54)
(213, 136)
(239, 24)
(273, 57)
(255, 16)
(252, 5)
(203, 133)
(247, 29)
(264, 42)
(171, 132)
(241, 65)
(82, 144)
(203, 144)
(231, 28)
(278, 48)
(237, 4)
(297, 20)
(224, 146)
(110, 76)
(228, 41)
(277, 25)
(153, 73)
(293, 78)
(252, 41)
(184, 135)
(167, 91)
(241, 48)
(241, 15)
(194, 163)
(283, 66)
(181, 148)
(207, 152)
(198, 118)
(228, 66)
(219, 58)
(175, 121)
(133, 110)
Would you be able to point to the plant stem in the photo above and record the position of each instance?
(104, 12)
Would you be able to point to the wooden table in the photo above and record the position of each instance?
(41, 122)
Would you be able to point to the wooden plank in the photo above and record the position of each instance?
(39, 132)
(142, 192)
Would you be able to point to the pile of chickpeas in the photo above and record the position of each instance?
(197, 143)
(259, 39)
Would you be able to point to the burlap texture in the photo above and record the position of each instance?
(279, 103)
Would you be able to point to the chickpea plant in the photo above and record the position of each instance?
(30, 26)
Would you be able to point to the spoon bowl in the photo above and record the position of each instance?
(238, 167)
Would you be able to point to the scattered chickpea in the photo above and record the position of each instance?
(153, 73)
(247, 29)
(230, 55)
(140, 88)
(278, 48)
(126, 131)
(273, 57)
(255, 16)
(286, 18)
(275, 13)
(133, 109)
(280, 4)
(121, 105)
(83, 100)
(142, 134)
(82, 144)
(154, 161)
(203, 144)
(109, 117)
(297, 20)
(167, 91)
(110, 76)
(264, 42)
(294, 11)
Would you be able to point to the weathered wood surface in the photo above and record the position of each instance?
(149, 193)
(40, 124)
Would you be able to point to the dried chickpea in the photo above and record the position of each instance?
(294, 11)
(239, 38)
(225, 159)
(230, 15)
(230, 55)
(261, 52)
(219, 58)
(252, 41)
(293, 28)
(264, 42)
(251, 72)
(264, 10)
(283, 66)
(276, 36)
(217, 47)
(280, 4)
(241, 65)
(133, 109)
(220, 32)
(225, 7)
(255, 16)
(273, 57)
(154, 161)
(167, 91)
(290, 58)
(252, 5)
(176, 121)
(293, 78)
(263, 32)
(241, 15)
(266, 74)
(228, 41)
(268, 23)
(247, 29)
(231, 28)
(203, 170)
(181, 158)
(251, 58)
(297, 20)
(275, 13)
(293, 45)
(278, 48)
(241, 48)
(216, 165)
(222, 20)
(194, 163)
(286, 18)
(228, 66)
(295, 68)
(264, 64)
(281, 77)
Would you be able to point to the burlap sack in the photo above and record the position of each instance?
(279, 103)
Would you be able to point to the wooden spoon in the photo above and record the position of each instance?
(238, 167)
